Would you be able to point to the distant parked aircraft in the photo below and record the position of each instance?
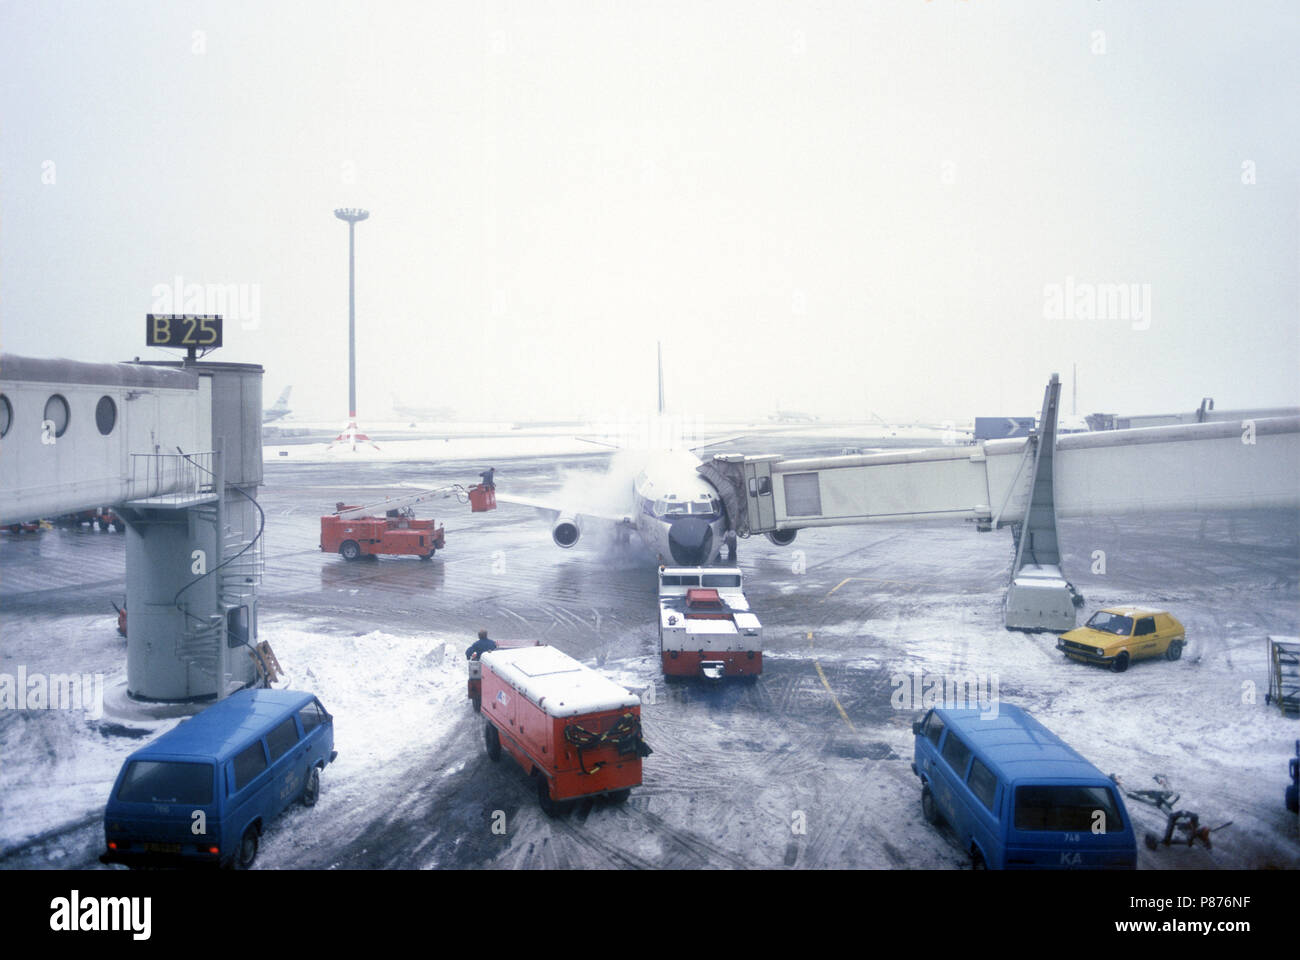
(281, 408)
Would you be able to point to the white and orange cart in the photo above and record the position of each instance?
(705, 625)
(576, 732)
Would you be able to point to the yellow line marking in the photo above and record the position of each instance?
(821, 673)
(826, 683)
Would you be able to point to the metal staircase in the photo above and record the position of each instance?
(238, 573)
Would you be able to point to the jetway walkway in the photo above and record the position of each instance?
(1026, 482)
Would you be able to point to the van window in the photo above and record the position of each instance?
(248, 764)
(1067, 808)
(282, 739)
(934, 728)
(152, 781)
(311, 716)
(982, 783)
(956, 753)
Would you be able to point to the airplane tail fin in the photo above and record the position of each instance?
(284, 397)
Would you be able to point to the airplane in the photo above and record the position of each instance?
(422, 414)
(675, 512)
(792, 416)
(281, 408)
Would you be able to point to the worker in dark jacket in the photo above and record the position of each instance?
(488, 478)
(480, 646)
(729, 541)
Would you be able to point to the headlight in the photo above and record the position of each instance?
(1100, 651)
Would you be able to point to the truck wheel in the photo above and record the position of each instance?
(929, 809)
(977, 859)
(311, 789)
(477, 704)
(549, 806)
(493, 741)
(349, 550)
(1174, 650)
(620, 796)
(1120, 663)
(429, 555)
(247, 849)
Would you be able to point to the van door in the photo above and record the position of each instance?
(985, 826)
(251, 793)
(950, 785)
(288, 754)
(1145, 643)
(1069, 825)
(316, 734)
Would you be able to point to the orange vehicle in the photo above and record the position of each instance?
(387, 527)
(575, 732)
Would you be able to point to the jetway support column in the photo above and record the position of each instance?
(1038, 595)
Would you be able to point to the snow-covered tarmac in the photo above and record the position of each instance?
(735, 767)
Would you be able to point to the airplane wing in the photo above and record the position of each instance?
(553, 510)
(714, 443)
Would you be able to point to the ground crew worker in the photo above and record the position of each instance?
(487, 476)
(480, 646)
(729, 539)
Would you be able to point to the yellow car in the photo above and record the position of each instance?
(1121, 635)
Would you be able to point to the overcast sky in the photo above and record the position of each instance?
(832, 207)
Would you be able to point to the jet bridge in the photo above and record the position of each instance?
(1024, 483)
(176, 449)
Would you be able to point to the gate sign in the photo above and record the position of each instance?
(186, 330)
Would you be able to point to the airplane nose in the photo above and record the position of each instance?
(689, 540)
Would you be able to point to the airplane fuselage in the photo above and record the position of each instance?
(678, 513)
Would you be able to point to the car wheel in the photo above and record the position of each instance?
(549, 806)
(929, 809)
(1120, 663)
(311, 789)
(247, 849)
(493, 741)
(349, 550)
(1174, 650)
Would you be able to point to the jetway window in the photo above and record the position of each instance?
(6, 415)
(760, 486)
(803, 495)
(105, 415)
(56, 412)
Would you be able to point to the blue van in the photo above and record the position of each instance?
(203, 792)
(1016, 795)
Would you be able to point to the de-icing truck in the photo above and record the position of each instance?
(705, 626)
(575, 732)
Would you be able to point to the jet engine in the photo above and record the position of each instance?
(782, 538)
(566, 531)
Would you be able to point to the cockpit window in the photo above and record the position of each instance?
(704, 508)
(675, 507)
